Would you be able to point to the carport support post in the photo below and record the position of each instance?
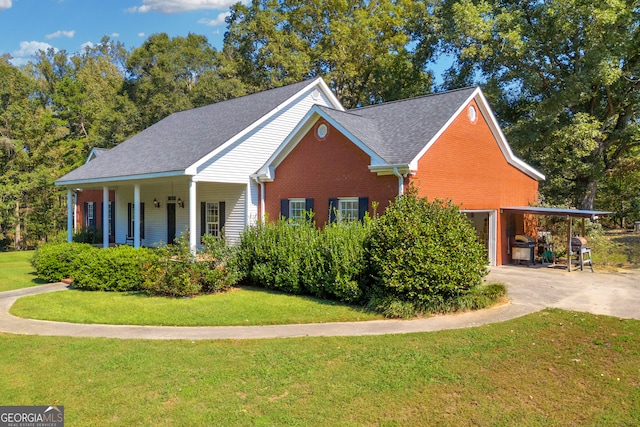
(568, 243)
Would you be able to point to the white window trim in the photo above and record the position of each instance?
(292, 209)
(212, 227)
(341, 214)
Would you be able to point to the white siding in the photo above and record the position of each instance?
(237, 162)
(234, 197)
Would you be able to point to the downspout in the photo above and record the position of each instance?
(400, 181)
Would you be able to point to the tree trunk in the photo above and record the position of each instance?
(16, 239)
(589, 196)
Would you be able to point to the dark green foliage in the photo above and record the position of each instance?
(422, 256)
(54, 262)
(88, 235)
(111, 269)
(296, 257)
(176, 272)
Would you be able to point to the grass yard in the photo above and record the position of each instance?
(549, 368)
(237, 307)
(16, 271)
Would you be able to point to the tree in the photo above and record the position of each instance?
(564, 76)
(361, 48)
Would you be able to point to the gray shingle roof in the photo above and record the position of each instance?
(180, 140)
(397, 131)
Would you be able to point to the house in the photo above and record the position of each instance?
(192, 170)
(447, 145)
(88, 209)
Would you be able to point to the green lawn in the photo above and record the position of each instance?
(16, 271)
(549, 368)
(237, 307)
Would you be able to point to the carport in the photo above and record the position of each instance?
(569, 214)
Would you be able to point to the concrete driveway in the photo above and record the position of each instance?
(530, 290)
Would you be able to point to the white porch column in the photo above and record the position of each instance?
(136, 216)
(105, 217)
(69, 215)
(193, 231)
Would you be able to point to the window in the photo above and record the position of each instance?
(131, 222)
(212, 218)
(296, 209)
(348, 208)
(90, 214)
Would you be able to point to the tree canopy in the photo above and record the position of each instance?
(562, 75)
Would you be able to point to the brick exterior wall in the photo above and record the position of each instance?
(86, 196)
(465, 165)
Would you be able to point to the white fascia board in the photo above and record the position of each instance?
(120, 178)
(502, 140)
(403, 169)
(193, 169)
(486, 111)
(335, 102)
(267, 172)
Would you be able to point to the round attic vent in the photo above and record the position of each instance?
(315, 94)
(322, 130)
(472, 113)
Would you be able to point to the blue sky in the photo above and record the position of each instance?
(30, 25)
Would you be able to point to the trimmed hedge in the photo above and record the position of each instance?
(54, 262)
(111, 269)
(297, 257)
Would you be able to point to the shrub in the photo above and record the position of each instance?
(111, 269)
(54, 262)
(176, 272)
(88, 235)
(296, 257)
(421, 257)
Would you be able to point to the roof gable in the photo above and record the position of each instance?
(183, 139)
(399, 133)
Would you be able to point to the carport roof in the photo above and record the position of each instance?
(576, 213)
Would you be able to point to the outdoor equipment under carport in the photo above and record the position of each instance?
(568, 213)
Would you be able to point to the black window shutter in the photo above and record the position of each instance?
(141, 221)
(112, 225)
(333, 207)
(284, 208)
(203, 218)
(363, 207)
(129, 220)
(86, 215)
(102, 216)
(308, 207)
(221, 215)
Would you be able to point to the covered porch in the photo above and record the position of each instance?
(155, 211)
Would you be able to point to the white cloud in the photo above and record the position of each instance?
(68, 34)
(141, 34)
(27, 51)
(178, 6)
(219, 20)
(114, 35)
(5, 4)
(86, 45)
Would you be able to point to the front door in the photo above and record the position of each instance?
(171, 222)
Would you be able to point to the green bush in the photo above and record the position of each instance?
(176, 272)
(88, 235)
(296, 257)
(111, 269)
(54, 262)
(422, 256)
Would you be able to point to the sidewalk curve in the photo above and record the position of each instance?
(529, 291)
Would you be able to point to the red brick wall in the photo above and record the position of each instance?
(86, 196)
(332, 167)
(467, 166)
